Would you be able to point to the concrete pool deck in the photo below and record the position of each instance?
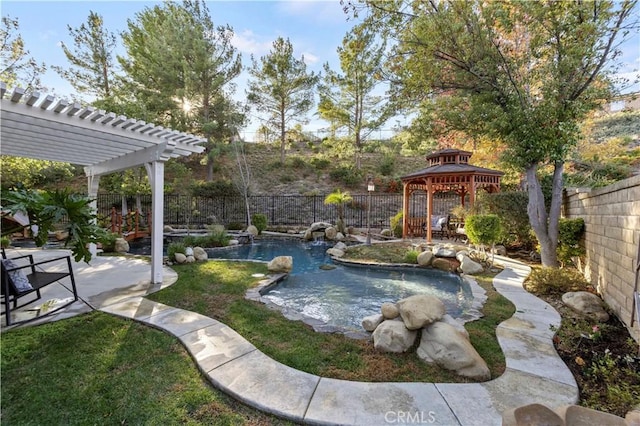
(534, 372)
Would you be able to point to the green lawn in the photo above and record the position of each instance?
(100, 369)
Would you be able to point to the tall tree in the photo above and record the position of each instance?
(349, 101)
(282, 88)
(93, 64)
(17, 68)
(524, 73)
(180, 66)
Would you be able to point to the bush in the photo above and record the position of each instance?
(553, 281)
(108, 241)
(570, 232)
(411, 256)
(175, 247)
(348, 175)
(235, 226)
(259, 220)
(217, 237)
(4, 242)
(387, 165)
(396, 225)
(511, 207)
(216, 188)
(483, 228)
(320, 163)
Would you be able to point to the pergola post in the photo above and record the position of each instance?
(93, 183)
(155, 170)
(429, 207)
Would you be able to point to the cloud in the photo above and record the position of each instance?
(310, 58)
(248, 42)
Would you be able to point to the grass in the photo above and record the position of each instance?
(100, 369)
(215, 290)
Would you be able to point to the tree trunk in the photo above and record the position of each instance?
(545, 226)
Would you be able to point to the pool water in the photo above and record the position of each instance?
(343, 296)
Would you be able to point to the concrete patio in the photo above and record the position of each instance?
(534, 373)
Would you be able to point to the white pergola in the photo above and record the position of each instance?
(41, 127)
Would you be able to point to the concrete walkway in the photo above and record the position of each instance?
(534, 373)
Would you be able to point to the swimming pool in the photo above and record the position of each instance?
(343, 296)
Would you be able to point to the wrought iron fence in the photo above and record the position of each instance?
(284, 210)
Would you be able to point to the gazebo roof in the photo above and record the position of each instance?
(452, 162)
(36, 126)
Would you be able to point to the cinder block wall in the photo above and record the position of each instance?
(612, 220)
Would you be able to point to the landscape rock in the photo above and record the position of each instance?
(340, 236)
(319, 226)
(420, 310)
(340, 246)
(330, 233)
(167, 229)
(386, 233)
(190, 259)
(443, 344)
(121, 245)
(372, 321)
(280, 264)
(448, 319)
(470, 267)
(586, 303)
(233, 242)
(308, 235)
(442, 251)
(532, 414)
(188, 251)
(389, 310)
(575, 415)
(425, 258)
(200, 254)
(335, 252)
(180, 258)
(500, 250)
(251, 229)
(443, 265)
(393, 336)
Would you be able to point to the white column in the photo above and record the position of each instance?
(155, 171)
(92, 183)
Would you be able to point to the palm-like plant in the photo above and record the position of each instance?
(339, 198)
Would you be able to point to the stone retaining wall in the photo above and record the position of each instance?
(612, 240)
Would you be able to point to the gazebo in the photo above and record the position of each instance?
(449, 171)
(41, 127)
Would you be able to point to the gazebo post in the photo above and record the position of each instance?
(429, 207)
(405, 209)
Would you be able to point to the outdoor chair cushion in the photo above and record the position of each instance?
(20, 280)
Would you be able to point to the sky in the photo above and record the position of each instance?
(315, 27)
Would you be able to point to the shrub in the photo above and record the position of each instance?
(259, 220)
(348, 175)
(235, 226)
(387, 164)
(411, 256)
(511, 207)
(4, 242)
(483, 228)
(295, 162)
(216, 188)
(320, 163)
(553, 281)
(175, 247)
(570, 232)
(396, 225)
(108, 241)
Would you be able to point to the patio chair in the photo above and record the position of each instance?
(18, 283)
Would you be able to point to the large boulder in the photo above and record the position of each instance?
(251, 229)
(443, 344)
(121, 245)
(180, 258)
(200, 254)
(280, 264)
(420, 310)
(425, 258)
(393, 336)
(389, 310)
(443, 264)
(319, 226)
(470, 267)
(330, 233)
(443, 251)
(532, 414)
(448, 319)
(372, 321)
(334, 252)
(586, 303)
(575, 415)
(340, 246)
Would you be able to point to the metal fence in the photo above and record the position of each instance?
(283, 210)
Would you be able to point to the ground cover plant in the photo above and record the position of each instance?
(601, 355)
(100, 369)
